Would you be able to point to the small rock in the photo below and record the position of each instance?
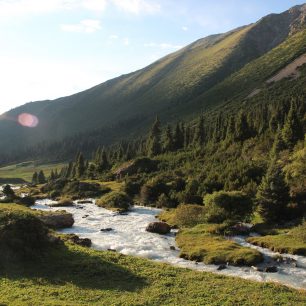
(84, 202)
(172, 248)
(85, 216)
(108, 229)
(85, 242)
(221, 267)
(112, 250)
(270, 269)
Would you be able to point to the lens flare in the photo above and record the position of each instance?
(28, 120)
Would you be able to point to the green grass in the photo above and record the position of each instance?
(113, 185)
(292, 242)
(25, 170)
(72, 275)
(197, 244)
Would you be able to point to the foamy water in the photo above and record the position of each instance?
(128, 236)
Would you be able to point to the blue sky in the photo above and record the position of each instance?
(53, 48)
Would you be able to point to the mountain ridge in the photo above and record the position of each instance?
(166, 88)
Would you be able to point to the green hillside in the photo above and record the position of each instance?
(204, 75)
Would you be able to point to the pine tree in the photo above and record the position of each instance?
(168, 141)
(52, 176)
(69, 170)
(178, 137)
(35, 178)
(292, 130)
(41, 177)
(230, 130)
(242, 129)
(200, 132)
(278, 144)
(154, 140)
(80, 165)
(273, 194)
(103, 163)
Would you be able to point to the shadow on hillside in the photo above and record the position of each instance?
(83, 269)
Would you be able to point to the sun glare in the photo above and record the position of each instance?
(28, 120)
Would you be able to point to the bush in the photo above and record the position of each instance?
(118, 201)
(132, 187)
(191, 193)
(150, 191)
(165, 201)
(227, 206)
(22, 235)
(185, 215)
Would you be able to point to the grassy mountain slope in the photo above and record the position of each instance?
(204, 74)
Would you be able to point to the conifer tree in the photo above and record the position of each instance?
(200, 132)
(230, 130)
(178, 137)
(80, 165)
(273, 194)
(154, 140)
(292, 130)
(168, 142)
(35, 178)
(278, 144)
(69, 170)
(52, 176)
(242, 129)
(41, 177)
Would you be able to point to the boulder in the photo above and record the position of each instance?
(158, 227)
(270, 269)
(57, 220)
(172, 248)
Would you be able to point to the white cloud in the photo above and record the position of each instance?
(163, 46)
(185, 28)
(19, 8)
(138, 6)
(126, 41)
(114, 36)
(94, 5)
(85, 26)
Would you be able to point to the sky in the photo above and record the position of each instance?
(54, 48)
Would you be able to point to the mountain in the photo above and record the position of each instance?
(219, 71)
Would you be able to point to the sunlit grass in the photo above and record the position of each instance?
(25, 170)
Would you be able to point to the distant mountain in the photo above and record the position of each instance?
(219, 71)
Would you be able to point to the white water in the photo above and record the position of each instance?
(129, 237)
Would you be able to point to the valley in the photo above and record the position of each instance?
(181, 183)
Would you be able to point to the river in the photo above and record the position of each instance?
(128, 236)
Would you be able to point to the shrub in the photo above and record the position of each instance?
(118, 201)
(150, 191)
(165, 201)
(299, 232)
(227, 206)
(22, 235)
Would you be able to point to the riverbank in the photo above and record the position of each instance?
(72, 275)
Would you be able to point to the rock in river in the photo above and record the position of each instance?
(158, 227)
